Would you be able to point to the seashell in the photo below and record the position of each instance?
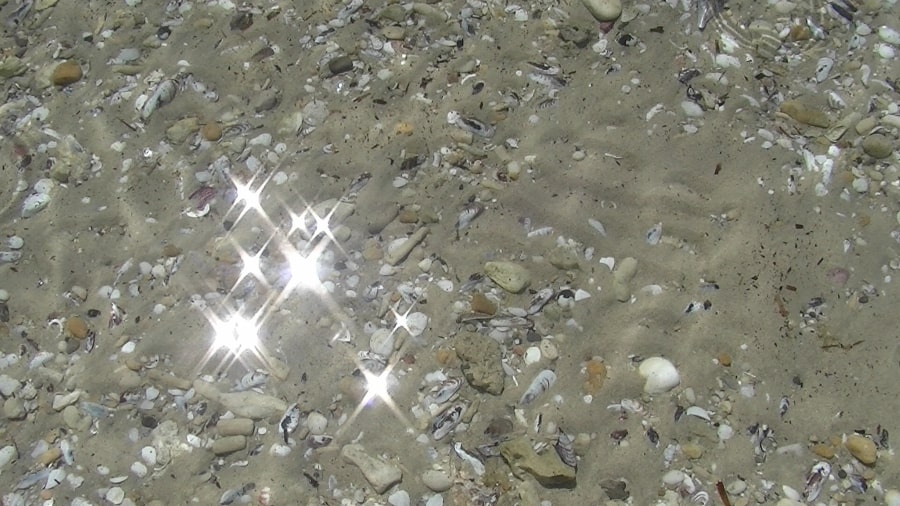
(319, 440)
(660, 375)
(470, 125)
(8, 257)
(540, 300)
(540, 384)
(252, 379)
(35, 203)
(234, 494)
(289, 421)
(823, 68)
(565, 451)
(654, 234)
(445, 390)
(596, 225)
(698, 412)
(162, 95)
(815, 480)
(468, 214)
(448, 420)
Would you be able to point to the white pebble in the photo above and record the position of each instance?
(139, 469)
(15, 242)
(316, 423)
(532, 355)
(691, 109)
(115, 495)
(4, 295)
(148, 455)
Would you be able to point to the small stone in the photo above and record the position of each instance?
(399, 498)
(407, 216)
(394, 32)
(866, 125)
(235, 427)
(549, 350)
(563, 257)
(316, 423)
(340, 65)
(66, 73)
(115, 495)
(13, 409)
(437, 481)
(380, 474)
(802, 113)
(381, 342)
(481, 304)
(546, 467)
(724, 359)
(510, 276)
(604, 10)
(72, 417)
(481, 362)
(76, 327)
(878, 146)
(692, 451)
(8, 385)
(823, 450)
(862, 448)
(182, 129)
(211, 132)
(228, 444)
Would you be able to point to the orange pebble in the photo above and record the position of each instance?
(76, 327)
(724, 359)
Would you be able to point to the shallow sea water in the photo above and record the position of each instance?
(764, 249)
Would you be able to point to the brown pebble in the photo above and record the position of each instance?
(692, 451)
(228, 444)
(407, 216)
(171, 251)
(724, 359)
(862, 448)
(823, 450)
(211, 131)
(66, 73)
(596, 375)
(444, 356)
(483, 305)
(235, 427)
(804, 114)
(50, 456)
(76, 327)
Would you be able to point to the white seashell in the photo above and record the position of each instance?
(698, 412)
(823, 68)
(162, 95)
(608, 261)
(8, 454)
(35, 203)
(654, 234)
(416, 323)
(540, 384)
(889, 35)
(55, 477)
(532, 355)
(815, 480)
(660, 375)
(316, 423)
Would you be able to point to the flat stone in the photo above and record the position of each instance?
(805, 114)
(480, 358)
(13, 409)
(381, 475)
(228, 444)
(510, 276)
(235, 427)
(437, 481)
(545, 467)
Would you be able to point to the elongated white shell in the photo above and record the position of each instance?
(35, 203)
(540, 384)
(660, 375)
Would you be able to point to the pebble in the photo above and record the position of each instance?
(437, 481)
(862, 448)
(878, 146)
(380, 474)
(235, 427)
(604, 10)
(823, 450)
(381, 342)
(228, 444)
(211, 131)
(510, 276)
(115, 495)
(865, 125)
(622, 275)
(802, 113)
(14, 409)
(399, 498)
(66, 73)
(316, 423)
(76, 327)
